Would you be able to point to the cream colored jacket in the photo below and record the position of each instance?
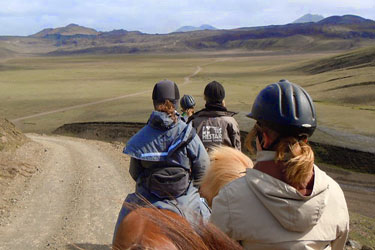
(265, 213)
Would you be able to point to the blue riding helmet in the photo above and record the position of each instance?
(286, 108)
(187, 102)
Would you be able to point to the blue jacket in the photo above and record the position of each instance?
(162, 141)
(165, 143)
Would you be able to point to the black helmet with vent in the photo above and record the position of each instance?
(286, 108)
(166, 90)
(187, 102)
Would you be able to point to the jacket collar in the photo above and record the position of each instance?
(216, 106)
(265, 155)
(266, 164)
(212, 113)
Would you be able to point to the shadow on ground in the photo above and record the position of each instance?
(87, 246)
(339, 155)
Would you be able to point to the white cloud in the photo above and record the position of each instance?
(362, 4)
(26, 17)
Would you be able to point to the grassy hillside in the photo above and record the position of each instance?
(332, 33)
(345, 79)
(358, 59)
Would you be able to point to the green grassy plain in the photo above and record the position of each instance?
(40, 84)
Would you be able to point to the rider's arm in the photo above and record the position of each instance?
(135, 168)
(234, 134)
(198, 157)
(340, 242)
(220, 215)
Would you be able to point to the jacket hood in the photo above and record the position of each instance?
(160, 120)
(291, 209)
(155, 142)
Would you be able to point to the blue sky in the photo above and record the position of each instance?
(25, 17)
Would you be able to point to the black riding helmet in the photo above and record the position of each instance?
(187, 102)
(166, 90)
(286, 108)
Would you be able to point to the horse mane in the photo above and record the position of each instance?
(153, 228)
(226, 165)
(214, 238)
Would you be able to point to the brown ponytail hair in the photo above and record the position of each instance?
(295, 155)
(167, 107)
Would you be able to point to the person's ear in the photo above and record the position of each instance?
(223, 102)
(266, 140)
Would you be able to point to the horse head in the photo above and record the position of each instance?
(226, 165)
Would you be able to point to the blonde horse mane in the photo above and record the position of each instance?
(227, 164)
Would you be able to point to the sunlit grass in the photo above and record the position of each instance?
(362, 229)
(39, 84)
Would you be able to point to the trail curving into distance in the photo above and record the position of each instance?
(187, 78)
(186, 81)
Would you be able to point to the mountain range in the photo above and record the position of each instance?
(192, 28)
(331, 33)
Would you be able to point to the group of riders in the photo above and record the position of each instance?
(284, 202)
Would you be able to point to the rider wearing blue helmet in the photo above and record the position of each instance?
(285, 201)
(187, 104)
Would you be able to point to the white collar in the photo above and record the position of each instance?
(265, 155)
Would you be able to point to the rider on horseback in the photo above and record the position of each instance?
(285, 201)
(167, 159)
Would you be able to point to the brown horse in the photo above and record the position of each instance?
(152, 228)
(159, 229)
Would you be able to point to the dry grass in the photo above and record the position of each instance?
(362, 229)
(10, 136)
(34, 85)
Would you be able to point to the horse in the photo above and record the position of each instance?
(161, 229)
(226, 165)
(152, 228)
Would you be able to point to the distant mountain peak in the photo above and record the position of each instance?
(309, 18)
(345, 19)
(69, 30)
(72, 25)
(193, 28)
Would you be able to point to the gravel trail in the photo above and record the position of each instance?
(73, 203)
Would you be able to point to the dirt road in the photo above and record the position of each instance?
(73, 202)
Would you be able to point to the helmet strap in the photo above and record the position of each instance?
(261, 141)
(274, 143)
